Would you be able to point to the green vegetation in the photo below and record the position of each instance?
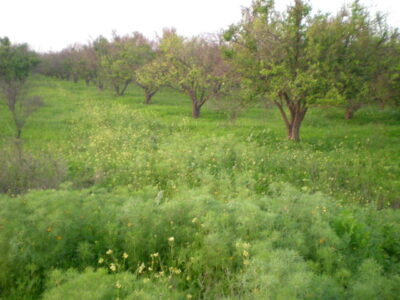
(297, 59)
(103, 196)
(252, 216)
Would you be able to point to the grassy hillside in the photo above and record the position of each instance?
(196, 209)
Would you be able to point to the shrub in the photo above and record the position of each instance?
(288, 244)
(98, 285)
(21, 171)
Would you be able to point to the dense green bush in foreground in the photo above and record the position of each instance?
(286, 244)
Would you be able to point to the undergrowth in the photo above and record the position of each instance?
(113, 199)
(284, 245)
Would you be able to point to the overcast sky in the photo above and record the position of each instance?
(54, 24)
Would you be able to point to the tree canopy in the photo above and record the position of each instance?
(196, 67)
(296, 59)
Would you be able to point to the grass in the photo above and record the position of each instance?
(355, 161)
(253, 216)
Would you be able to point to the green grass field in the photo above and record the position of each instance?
(197, 209)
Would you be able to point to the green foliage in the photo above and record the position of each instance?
(160, 146)
(98, 285)
(144, 203)
(298, 60)
(285, 245)
(138, 150)
(21, 171)
(120, 58)
(16, 64)
(354, 49)
(196, 67)
(152, 77)
(370, 283)
(193, 207)
(16, 61)
(274, 53)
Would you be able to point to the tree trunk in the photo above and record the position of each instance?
(19, 132)
(349, 114)
(75, 78)
(195, 109)
(148, 96)
(294, 131)
(297, 110)
(19, 149)
(124, 88)
(100, 86)
(18, 128)
(296, 121)
(350, 110)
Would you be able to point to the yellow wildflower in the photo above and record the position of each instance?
(175, 270)
(141, 268)
(113, 267)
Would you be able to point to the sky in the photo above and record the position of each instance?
(51, 25)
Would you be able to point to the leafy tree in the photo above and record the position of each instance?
(84, 63)
(57, 64)
(120, 58)
(196, 67)
(152, 77)
(385, 83)
(16, 63)
(275, 54)
(297, 60)
(356, 56)
(101, 48)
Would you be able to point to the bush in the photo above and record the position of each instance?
(136, 150)
(285, 245)
(21, 171)
(98, 285)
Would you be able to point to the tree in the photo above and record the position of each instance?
(196, 67)
(120, 58)
(385, 83)
(84, 63)
(101, 48)
(234, 98)
(275, 55)
(16, 63)
(357, 57)
(56, 64)
(152, 77)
